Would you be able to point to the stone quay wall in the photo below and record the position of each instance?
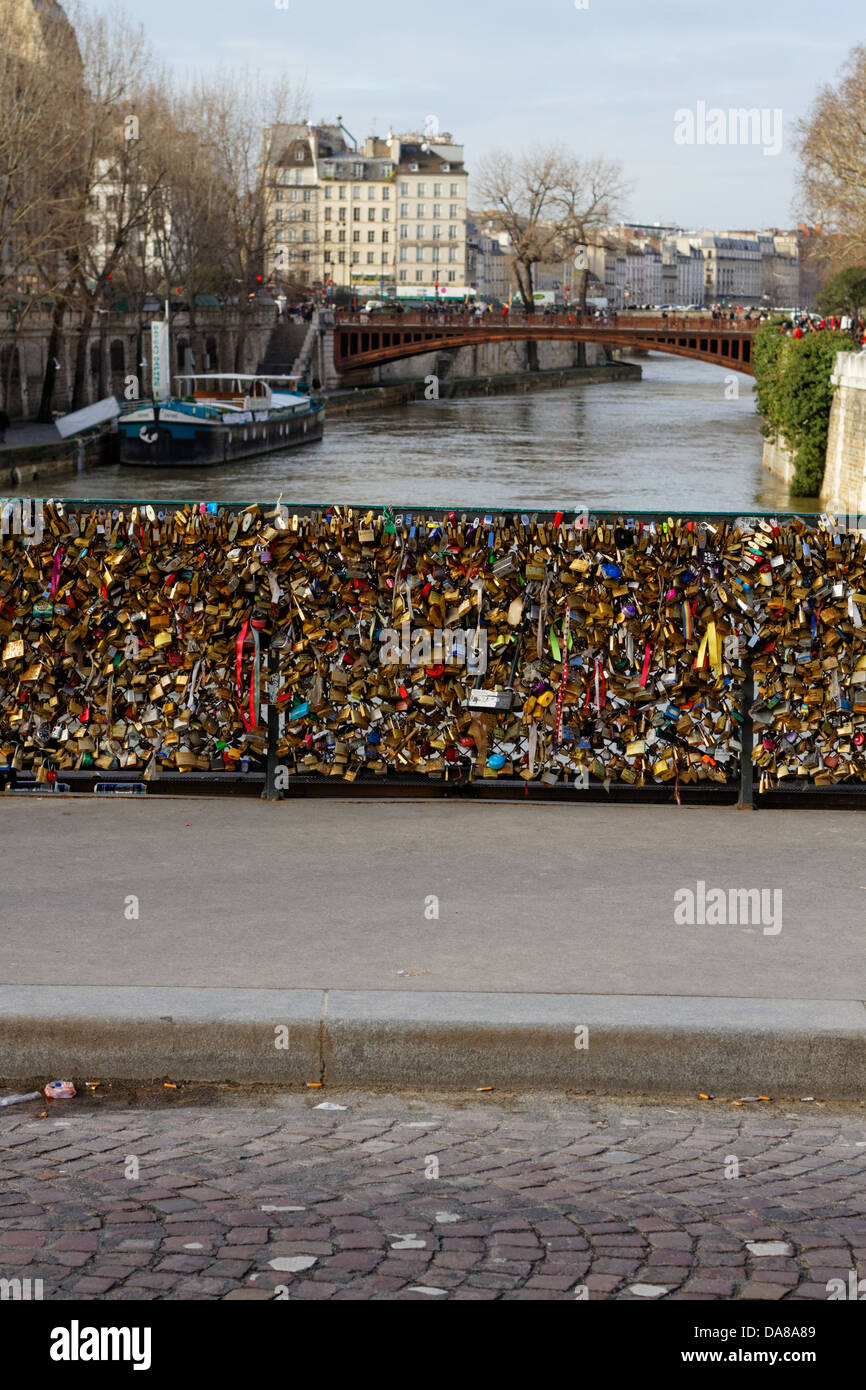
(844, 488)
(117, 344)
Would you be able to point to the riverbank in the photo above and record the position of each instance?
(32, 452)
(341, 403)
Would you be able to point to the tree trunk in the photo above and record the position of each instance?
(79, 391)
(49, 383)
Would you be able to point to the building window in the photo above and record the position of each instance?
(404, 189)
(328, 214)
(279, 236)
(341, 213)
(402, 275)
(384, 257)
(342, 236)
(293, 195)
(341, 257)
(437, 209)
(419, 233)
(404, 209)
(384, 238)
(454, 190)
(356, 190)
(327, 258)
(419, 210)
(299, 176)
(420, 190)
(342, 190)
(305, 235)
(356, 214)
(419, 276)
(386, 214)
(437, 190)
(371, 214)
(404, 233)
(305, 255)
(329, 192)
(356, 236)
(452, 233)
(357, 173)
(371, 259)
(327, 234)
(437, 232)
(419, 253)
(279, 214)
(386, 192)
(279, 195)
(308, 195)
(404, 253)
(371, 236)
(356, 258)
(299, 154)
(452, 210)
(452, 254)
(306, 215)
(452, 276)
(371, 193)
(435, 253)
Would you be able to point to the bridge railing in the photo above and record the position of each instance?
(604, 320)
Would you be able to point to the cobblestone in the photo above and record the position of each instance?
(536, 1197)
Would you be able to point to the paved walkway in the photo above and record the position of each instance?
(434, 944)
(24, 436)
(427, 1197)
(428, 897)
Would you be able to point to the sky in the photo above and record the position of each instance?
(617, 78)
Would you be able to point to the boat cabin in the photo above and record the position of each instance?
(234, 390)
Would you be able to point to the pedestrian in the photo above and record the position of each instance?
(5, 422)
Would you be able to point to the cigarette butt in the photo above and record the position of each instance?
(484, 1088)
(169, 1086)
(703, 1096)
(314, 1085)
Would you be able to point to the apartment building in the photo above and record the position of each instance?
(386, 218)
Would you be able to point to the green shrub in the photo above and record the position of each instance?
(794, 395)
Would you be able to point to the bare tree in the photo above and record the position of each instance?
(589, 197)
(832, 162)
(41, 97)
(520, 191)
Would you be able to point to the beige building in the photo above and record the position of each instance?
(386, 218)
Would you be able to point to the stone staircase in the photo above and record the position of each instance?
(286, 342)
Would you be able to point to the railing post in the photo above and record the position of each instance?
(747, 739)
(271, 792)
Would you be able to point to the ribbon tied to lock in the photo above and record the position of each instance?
(244, 635)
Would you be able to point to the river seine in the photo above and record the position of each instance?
(678, 440)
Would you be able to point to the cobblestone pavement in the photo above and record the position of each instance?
(259, 1195)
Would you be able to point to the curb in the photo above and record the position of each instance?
(647, 1044)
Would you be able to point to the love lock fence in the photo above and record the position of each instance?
(558, 654)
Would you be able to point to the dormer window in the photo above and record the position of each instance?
(446, 168)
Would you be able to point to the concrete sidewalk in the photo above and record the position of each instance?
(431, 943)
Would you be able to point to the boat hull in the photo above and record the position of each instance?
(198, 444)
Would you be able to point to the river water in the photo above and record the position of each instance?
(675, 441)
